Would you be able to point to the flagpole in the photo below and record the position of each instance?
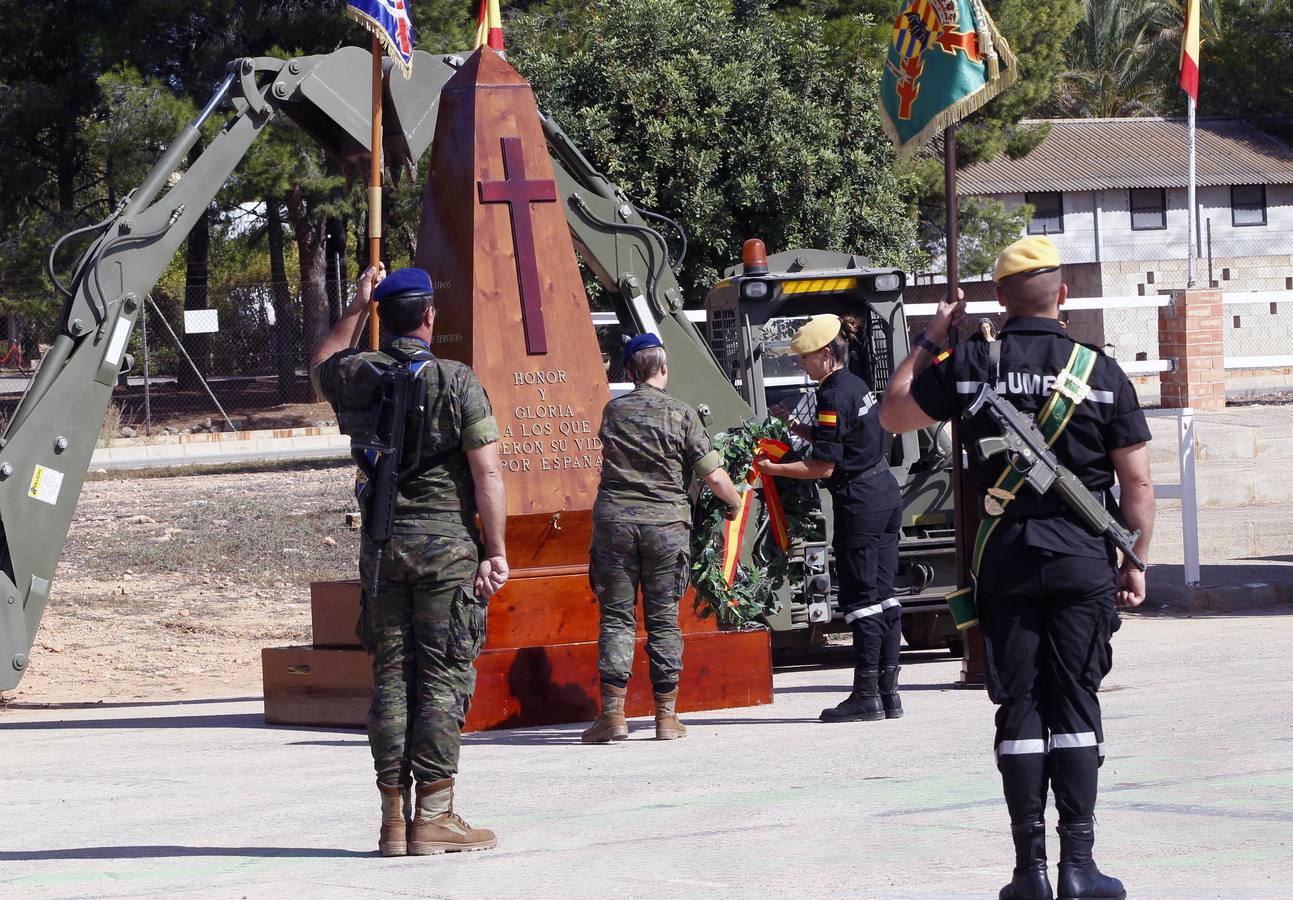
(375, 192)
(1192, 242)
(966, 519)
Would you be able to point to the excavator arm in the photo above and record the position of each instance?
(45, 451)
(631, 260)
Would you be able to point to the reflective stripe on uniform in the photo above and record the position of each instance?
(1073, 741)
(972, 387)
(1028, 747)
(873, 610)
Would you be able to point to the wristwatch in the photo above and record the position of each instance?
(926, 344)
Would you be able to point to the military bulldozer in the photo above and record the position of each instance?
(750, 317)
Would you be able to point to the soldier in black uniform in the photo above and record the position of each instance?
(848, 452)
(1047, 587)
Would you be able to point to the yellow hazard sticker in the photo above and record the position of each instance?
(45, 485)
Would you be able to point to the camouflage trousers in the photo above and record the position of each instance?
(424, 629)
(624, 556)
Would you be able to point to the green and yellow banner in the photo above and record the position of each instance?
(946, 59)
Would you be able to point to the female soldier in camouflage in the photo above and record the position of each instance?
(652, 445)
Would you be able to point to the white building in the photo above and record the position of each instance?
(1112, 194)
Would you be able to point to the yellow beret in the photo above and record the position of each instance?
(1028, 255)
(815, 334)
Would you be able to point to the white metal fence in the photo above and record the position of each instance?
(1184, 489)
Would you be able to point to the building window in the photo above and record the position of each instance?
(1148, 209)
(1048, 212)
(1248, 205)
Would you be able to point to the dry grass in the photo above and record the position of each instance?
(113, 421)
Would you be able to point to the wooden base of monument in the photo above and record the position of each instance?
(539, 666)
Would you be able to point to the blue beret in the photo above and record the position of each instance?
(404, 281)
(641, 342)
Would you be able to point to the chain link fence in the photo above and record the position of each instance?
(233, 366)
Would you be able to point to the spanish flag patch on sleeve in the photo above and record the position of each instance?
(828, 419)
(943, 357)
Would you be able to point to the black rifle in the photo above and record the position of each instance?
(386, 444)
(1027, 453)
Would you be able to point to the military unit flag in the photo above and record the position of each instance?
(1190, 51)
(389, 22)
(489, 28)
(946, 59)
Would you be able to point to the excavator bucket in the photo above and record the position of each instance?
(333, 104)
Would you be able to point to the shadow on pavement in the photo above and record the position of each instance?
(99, 704)
(840, 656)
(232, 720)
(845, 688)
(525, 737)
(165, 851)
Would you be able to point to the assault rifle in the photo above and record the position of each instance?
(1028, 453)
(386, 444)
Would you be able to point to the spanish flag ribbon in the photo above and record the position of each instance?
(489, 26)
(734, 530)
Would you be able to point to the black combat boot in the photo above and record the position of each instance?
(863, 705)
(1079, 877)
(889, 692)
(1030, 881)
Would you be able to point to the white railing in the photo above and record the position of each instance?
(1184, 489)
(982, 307)
(1247, 298)
(1131, 367)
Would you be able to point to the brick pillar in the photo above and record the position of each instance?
(1190, 332)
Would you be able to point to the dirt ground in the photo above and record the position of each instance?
(173, 585)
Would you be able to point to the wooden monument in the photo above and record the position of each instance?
(511, 304)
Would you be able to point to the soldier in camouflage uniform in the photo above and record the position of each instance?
(426, 624)
(651, 445)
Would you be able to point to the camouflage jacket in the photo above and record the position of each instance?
(651, 445)
(441, 499)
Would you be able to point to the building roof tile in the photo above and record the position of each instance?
(1096, 154)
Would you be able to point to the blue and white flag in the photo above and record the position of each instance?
(389, 21)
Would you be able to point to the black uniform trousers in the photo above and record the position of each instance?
(1047, 620)
(866, 560)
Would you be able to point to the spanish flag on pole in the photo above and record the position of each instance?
(489, 28)
(1190, 51)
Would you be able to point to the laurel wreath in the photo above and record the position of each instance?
(753, 592)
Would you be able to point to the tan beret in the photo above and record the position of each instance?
(1028, 255)
(815, 334)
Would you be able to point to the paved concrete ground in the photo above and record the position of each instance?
(200, 798)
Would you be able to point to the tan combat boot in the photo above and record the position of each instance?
(610, 724)
(437, 829)
(395, 815)
(667, 726)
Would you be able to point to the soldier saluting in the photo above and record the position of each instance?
(426, 624)
(1046, 585)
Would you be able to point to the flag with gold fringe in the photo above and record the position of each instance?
(390, 23)
(489, 27)
(946, 59)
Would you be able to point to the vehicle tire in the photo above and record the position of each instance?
(920, 631)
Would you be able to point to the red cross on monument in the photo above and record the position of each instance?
(518, 193)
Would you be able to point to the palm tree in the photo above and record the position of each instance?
(1117, 55)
